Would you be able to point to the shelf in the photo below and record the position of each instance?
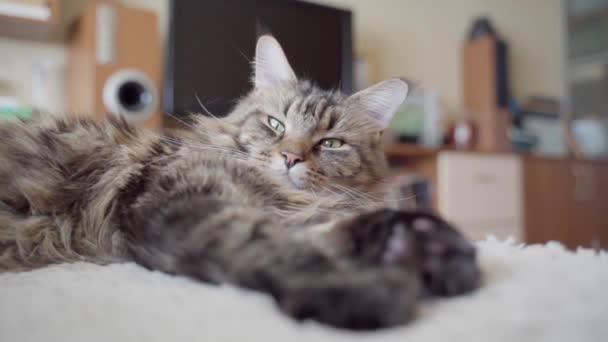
(38, 20)
(403, 151)
(594, 58)
(26, 20)
(29, 10)
(412, 151)
(588, 15)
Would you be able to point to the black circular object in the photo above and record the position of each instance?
(133, 96)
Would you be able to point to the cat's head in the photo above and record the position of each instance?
(311, 138)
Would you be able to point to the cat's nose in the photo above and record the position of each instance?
(291, 159)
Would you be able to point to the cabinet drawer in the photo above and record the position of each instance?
(476, 187)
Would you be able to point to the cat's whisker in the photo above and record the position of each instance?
(358, 193)
(386, 200)
(386, 182)
(200, 103)
(315, 206)
(372, 197)
(402, 199)
(231, 154)
(362, 200)
(181, 121)
(243, 54)
(197, 146)
(206, 146)
(351, 193)
(323, 177)
(180, 143)
(349, 196)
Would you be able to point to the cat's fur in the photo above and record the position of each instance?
(219, 204)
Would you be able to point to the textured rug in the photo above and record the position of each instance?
(532, 293)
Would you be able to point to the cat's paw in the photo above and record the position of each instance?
(381, 238)
(449, 262)
(359, 300)
(445, 260)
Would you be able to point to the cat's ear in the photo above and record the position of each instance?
(271, 65)
(380, 102)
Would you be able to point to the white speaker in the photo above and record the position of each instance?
(131, 94)
(115, 64)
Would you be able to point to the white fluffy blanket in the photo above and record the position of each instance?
(535, 293)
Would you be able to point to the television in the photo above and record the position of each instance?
(211, 45)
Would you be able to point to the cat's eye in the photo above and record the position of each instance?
(332, 143)
(276, 124)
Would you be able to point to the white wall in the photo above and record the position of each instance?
(419, 39)
(17, 59)
(422, 40)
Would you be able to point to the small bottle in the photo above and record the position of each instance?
(462, 134)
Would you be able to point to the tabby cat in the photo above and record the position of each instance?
(281, 196)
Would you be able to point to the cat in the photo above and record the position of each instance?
(281, 196)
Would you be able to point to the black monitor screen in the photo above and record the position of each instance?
(211, 45)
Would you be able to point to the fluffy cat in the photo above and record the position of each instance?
(281, 196)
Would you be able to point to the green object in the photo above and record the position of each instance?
(15, 113)
(409, 121)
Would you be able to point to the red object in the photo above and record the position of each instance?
(463, 135)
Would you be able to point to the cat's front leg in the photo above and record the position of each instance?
(213, 241)
(445, 260)
(359, 299)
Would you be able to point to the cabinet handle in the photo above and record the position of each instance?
(484, 178)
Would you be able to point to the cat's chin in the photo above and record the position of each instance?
(294, 182)
(293, 178)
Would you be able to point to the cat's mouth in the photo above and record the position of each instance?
(295, 176)
(294, 181)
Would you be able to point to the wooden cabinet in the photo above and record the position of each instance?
(530, 198)
(483, 82)
(481, 193)
(566, 201)
(38, 20)
(546, 200)
(588, 219)
(108, 40)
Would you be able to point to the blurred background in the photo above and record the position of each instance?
(505, 132)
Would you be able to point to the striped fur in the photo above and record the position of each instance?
(217, 203)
